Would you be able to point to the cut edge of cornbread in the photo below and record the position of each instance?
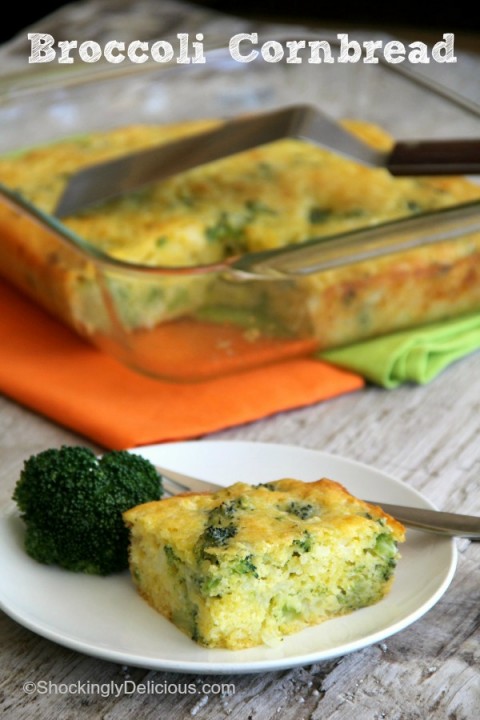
(248, 565)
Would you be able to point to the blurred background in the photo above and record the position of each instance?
(451, 17)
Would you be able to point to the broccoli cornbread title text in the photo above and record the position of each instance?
(244, 48)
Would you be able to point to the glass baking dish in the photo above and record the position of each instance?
(189, 323)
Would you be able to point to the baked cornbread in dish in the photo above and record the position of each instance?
(276, 195)
(249, 565)
(273, 196)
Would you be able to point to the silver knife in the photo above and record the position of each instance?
(434, 521)
(102, 181)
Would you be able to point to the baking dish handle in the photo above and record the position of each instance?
(360, 245)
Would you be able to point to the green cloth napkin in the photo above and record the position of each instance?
(417, 355)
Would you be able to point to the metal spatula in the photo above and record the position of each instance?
(112, 178)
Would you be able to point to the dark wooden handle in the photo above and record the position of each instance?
(435, 157)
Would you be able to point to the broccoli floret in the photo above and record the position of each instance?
(72, 504)
(301, 510)
(219, 536)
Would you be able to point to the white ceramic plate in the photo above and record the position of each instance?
(106, 618)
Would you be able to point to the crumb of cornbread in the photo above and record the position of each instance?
(249, 564)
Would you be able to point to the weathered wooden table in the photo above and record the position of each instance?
(426, 436)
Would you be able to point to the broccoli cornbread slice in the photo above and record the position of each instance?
(249, 564)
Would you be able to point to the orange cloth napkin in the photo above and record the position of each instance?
(46, 367)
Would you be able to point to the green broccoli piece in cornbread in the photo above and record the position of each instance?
(72, 503)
